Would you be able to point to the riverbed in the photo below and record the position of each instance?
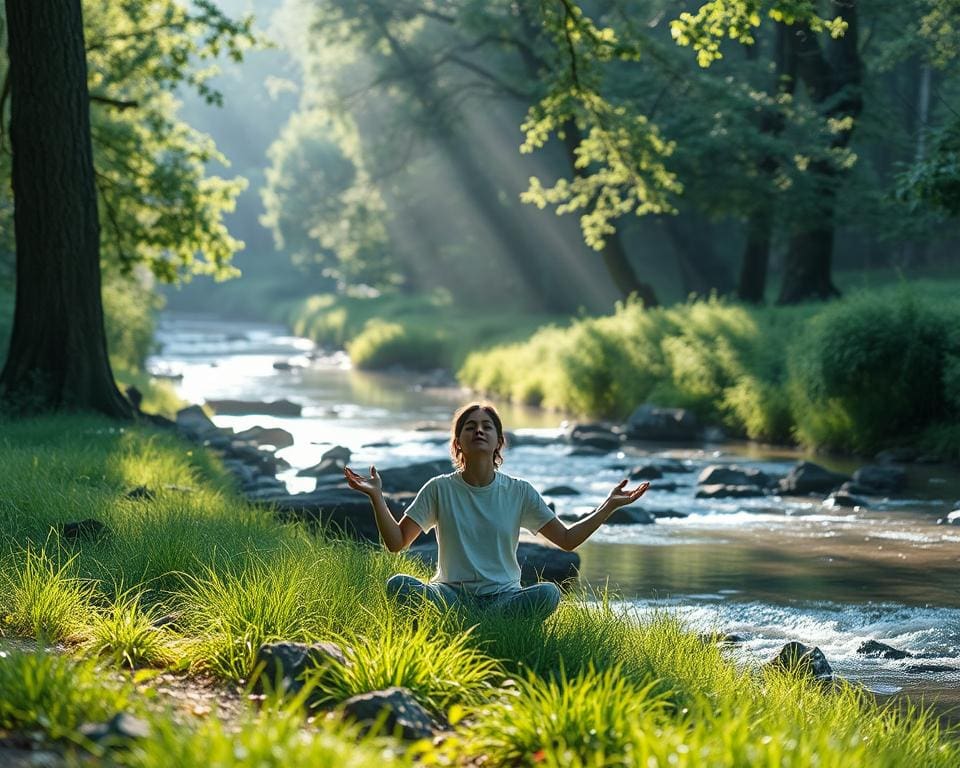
(769, 569)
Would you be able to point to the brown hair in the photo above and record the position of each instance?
(456, 425)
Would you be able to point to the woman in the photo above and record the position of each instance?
(478, 513)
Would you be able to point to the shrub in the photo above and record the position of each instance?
(382, 344)
(868, 371)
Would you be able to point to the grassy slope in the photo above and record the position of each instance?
(586, 688)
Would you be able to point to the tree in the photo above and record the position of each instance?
(58, 351)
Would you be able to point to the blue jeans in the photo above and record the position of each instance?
(539, 599)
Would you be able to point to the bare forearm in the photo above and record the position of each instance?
(583, 529)
(389, 528)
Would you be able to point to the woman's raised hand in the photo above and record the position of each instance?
(369, 485)
(620, 496)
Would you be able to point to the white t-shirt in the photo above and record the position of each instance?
(478, 528)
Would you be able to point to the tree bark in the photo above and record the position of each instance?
(756, 257)
(833, 81)
(58, 350)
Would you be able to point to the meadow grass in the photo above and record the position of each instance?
(198, 580)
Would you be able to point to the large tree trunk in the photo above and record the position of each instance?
(833, 80)
(58, 350)
(756, 256)
(701, 269)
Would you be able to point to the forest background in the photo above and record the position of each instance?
(388, 176)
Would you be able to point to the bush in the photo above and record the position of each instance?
(869, 371)
(383, 344)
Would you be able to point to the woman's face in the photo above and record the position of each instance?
(478, 435)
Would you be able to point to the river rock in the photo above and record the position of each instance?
(646, 472)
(561, 490)
(874, 649)
(595, 435)
(330, 467)
(258, 407)
(843, 499)
(951, 519)
(412, 477)
(339, 452)
(928, 668)
(515, 440)
(395, 710)
(802, 659)
(343, 507)
(885, 479)
(807, 478)
(667, 513)
(275, 436)
(731, 474)
(648, 422)
(855, 489)
(194, 423)
(729, 492)
(631, 516)
(902, 455)
(261, 459)
(284, 664)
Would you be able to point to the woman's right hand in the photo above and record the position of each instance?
(371, 486)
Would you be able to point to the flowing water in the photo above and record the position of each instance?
(769, 570)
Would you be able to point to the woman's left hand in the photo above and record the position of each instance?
(620, 496)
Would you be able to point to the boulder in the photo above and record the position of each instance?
(631, 516)
(338, 452)
(802, 659)
(646, 472)
(394, 710)
(896, 456)
(193, 422)
(345, 508)
(665, 513)
(275, 436)
(729, 492)
(721, 474)
(855, 489)
(86, 530)
(807, 478)
(412, 477)
(330, 467)
(283, 664)
(843, 499)
(258, 407)
(876, 650)
(648, 422)
(561, 490)
(595, 435)
(664, 486)
(885, 479)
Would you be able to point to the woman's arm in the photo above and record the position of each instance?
(396, 536)
(572, 537)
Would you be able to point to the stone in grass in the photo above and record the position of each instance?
(394, 711)
(876, 650)
(88, 530)
(802, 659)
(140, 493)
(283, 664)
(119, 730)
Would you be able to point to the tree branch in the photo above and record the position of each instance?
(117, 103)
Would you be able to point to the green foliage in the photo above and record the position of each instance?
(869, 370)
(56, 694)
(383, 344)
(42, 595)
(126, 632)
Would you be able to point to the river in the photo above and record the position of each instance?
(769, 570)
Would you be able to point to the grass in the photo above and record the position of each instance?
(198, 580)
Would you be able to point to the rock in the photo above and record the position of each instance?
(952, 519)
(561, 490)
(140, 493)
(594, 435)
(665, 513)
(537, 561)
(717, 474)
(586, 450)
(720, 638)
(802, 659)
(193, 422)
(345, 508)
(122, 727)
(855, 489)
(647, 472)
(275, 436)
(631, 516)
(885, 479)
(87, 530)
(261, 459)
(843, 499)
(395, 710)
(649, 422)
(412, 477)
(338, 452)
(926, 668)
(877, 650)
(807, 478)
(896, 456)
(663, 486)
(250, 407)
(729, 492)
(327, 467)
(284, 664)
(515, 440)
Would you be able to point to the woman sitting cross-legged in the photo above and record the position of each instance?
(478, 513)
